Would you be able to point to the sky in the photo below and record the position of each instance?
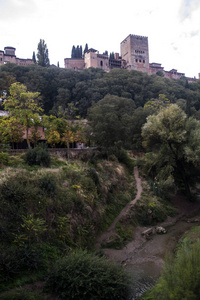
(172, 28)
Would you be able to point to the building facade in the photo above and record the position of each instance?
(134, 56)
(8, 56)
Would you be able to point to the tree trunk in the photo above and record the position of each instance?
(67, 150)
(27, 139)
(183, 175)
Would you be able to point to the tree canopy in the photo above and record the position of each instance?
(174, 144)
(110, 120)
(24, 106)
(43, 54)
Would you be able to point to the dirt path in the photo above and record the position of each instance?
(111, 230)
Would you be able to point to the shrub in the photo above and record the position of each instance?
(87, 276)
(180, 277)
(4, 158)
(48, 184)
(21, 294)
(38, 156)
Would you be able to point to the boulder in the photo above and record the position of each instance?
(160, 230)
(147, 232)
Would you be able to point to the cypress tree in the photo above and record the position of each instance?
(33, 57)
(73, 54)
(86, 48)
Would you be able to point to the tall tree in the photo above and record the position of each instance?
(34, 58)
(24, 106)
(173, 144)
(73, 54)
(86, 48)
(111, 119)
(43, 54)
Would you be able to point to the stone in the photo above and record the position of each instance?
(147, 232)
(160, 230)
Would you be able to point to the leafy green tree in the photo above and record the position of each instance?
(12, 130)
(157, 104)
(110, 121)
(43, 54)
(24, 106)
(174, 142)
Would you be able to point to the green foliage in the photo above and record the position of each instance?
(38, 156)
(43, 54)
(21, 294)
(92, 85)
(110, 121)
(4, 158)
(48, 184)
(46, 212)
(180, 277)
(175, 145)
(87, 276)
(150, 208)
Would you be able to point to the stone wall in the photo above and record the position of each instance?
(74, 63)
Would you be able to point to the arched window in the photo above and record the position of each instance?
(101, 63)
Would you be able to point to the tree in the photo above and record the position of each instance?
(43, 54)
(12, 130)
(86, 48)
(24, 106)
(110, 121)
(34, 58)
(73, 52)
(157, 104)
(174, 142)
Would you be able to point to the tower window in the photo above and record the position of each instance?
(101, 63)
(143, 61)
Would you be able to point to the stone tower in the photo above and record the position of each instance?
(135, 51)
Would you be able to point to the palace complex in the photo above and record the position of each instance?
(134, 56)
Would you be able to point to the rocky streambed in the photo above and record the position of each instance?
(144, 257)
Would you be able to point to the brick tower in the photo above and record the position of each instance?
(135, 51)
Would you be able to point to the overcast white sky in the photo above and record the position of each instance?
(172, 26)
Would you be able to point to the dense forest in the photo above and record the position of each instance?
(58, 87)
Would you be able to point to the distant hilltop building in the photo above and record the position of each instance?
(134, 56)
(8, 56)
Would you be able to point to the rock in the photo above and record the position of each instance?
(147, 232)
(160, 230)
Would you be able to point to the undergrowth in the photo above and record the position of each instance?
(48, 212)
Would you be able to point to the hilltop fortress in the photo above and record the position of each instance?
(8, 56)
(134, 56)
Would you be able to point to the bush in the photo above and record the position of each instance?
(21, 294)
(4, 158)
(180, 277)
(48, 184)
(38, 156)
(86, 276)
